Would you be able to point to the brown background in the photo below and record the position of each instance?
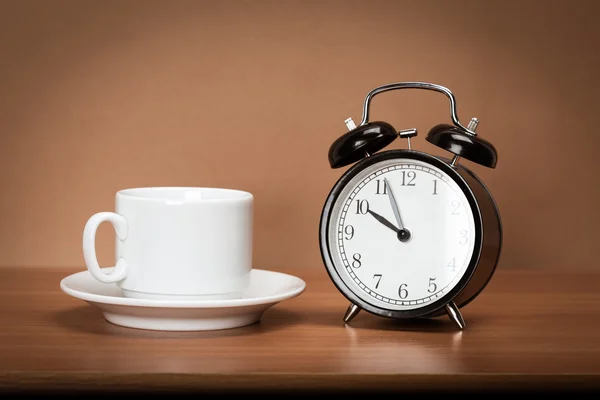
(97, 96)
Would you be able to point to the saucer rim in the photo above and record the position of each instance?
(299, 288)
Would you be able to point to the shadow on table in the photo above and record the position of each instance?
(88, 319)
(365, 320)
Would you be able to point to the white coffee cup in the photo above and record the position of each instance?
(177, 243)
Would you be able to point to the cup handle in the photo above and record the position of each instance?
(89, 246)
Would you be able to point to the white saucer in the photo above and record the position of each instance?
(266, 289)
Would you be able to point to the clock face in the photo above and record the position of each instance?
(401, 234)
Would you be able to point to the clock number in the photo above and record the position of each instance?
(349, 231)
(432, 286)
(356, 263)
(435, 186)
(456, 205)
(381, 187)
(378, 277)
(452, 264)
(408, 178)
(402, 292)
(463, 237)
(362, 207)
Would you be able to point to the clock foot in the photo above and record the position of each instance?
(455, 315)
(351, 312)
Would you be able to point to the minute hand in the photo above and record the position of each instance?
(394, 204)
(404, 234)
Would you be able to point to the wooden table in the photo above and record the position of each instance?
(529, 330)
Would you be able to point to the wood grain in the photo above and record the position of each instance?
(529, 330)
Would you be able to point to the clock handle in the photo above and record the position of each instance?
(415, 85)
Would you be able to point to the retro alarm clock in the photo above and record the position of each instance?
(404, 233)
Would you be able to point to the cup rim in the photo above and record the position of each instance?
(135, 193)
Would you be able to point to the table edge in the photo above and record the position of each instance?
(102, 381)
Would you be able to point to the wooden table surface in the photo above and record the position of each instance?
(529, 330)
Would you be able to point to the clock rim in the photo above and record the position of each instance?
(333, 273)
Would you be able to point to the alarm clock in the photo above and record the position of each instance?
(404, 233)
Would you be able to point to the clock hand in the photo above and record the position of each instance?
(394, 204)
(403, 233)
(384, 221)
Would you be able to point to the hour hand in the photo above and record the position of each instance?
(383, 221)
